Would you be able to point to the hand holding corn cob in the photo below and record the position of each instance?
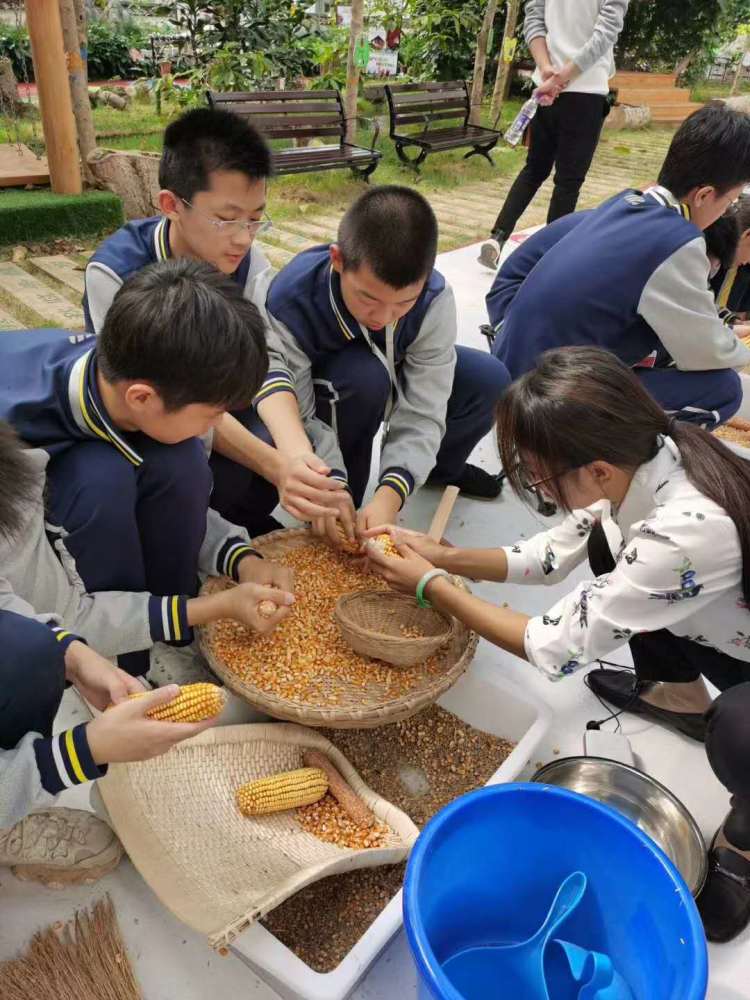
(262, 608)
(194, 703)
(125, 732)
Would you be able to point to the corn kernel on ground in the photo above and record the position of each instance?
(328, 820)
(305, 659)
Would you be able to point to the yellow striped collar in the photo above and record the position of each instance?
(161, 240)
(88, 409)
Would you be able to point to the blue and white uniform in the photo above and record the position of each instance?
(630, 276)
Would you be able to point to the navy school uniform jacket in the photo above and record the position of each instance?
(308, 322)
(630, 276)
(143, 242)
(49, 394)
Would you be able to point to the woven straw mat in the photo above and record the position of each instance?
(214, 868)
(357, 707)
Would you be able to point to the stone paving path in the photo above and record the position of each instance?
(46, 291)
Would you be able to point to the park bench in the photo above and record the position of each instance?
(303, 116)
(424, 104)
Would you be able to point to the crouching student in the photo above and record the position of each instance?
(120, 418)
(60, 846)
(362, 334)
(678, 589)
(731, 280)
(213, 176)
(631, 276)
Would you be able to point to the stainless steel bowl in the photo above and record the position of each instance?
(649, 805)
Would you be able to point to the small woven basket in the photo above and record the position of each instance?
(373, 624)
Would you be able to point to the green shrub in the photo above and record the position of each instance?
(37, 216)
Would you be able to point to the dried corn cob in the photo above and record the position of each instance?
(385, 544)
(344, 794)
(347, 545)
(267, 609)
(282, 791)
(194, 703)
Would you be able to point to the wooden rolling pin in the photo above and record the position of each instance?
(443, 513)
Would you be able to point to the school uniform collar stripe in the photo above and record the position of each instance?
(338, 312)
(726, 287)
(343, 325)
(161, 240)
(87, 412)
(665, 197)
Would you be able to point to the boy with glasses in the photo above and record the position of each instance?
(213, 176)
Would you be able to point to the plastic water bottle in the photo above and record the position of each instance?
(521, 122)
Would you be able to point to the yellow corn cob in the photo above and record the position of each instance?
(194, 703)
(384, 542)
(282, 791)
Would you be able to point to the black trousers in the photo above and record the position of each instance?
(663, 656)
(563, 135)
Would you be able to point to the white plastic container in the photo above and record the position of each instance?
(484, 700)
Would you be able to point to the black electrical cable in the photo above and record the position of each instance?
(598, 723)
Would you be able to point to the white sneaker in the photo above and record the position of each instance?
(60, 847)
(489, 255)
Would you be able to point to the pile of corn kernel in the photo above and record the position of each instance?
(411, 632)
(328, 821)
(305, 659)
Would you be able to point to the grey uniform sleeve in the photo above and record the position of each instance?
(534, 24)
(417, 423)
(21, 788)
(290, 371)
(101, 287)
(606, 31)
(679, 307)
(10, 601)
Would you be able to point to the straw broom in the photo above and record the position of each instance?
(85, 959)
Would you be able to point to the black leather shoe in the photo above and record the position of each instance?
(724, 903)
(622, 689)
(475, 483)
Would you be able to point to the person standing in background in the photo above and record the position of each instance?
(572, 42)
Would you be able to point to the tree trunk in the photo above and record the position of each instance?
(480, 61)
(737, 73)
(504, 69)
(352, 70)
(50, 73)
(73, 25)
(10, 105)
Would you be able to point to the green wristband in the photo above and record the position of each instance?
(429, 575)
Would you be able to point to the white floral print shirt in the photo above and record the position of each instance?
(679, 568)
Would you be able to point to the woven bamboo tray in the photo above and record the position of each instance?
(359, 707)
(219, 871)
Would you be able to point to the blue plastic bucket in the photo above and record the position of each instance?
(485, 869)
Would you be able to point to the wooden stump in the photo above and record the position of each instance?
(133, 177)
(628, 116)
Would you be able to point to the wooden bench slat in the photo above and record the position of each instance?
(417, 100)
(428, 119)
(257, 108)
(405, 88)
(299, 132)
(229, 97)
(408, 109)
(285, 121)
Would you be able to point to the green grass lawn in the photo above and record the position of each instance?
(139, 127)
(706, 91)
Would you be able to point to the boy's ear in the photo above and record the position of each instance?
(168, 203)
(700, 195)
(337, 260)
(139, 395)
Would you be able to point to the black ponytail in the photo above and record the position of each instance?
(582, 404)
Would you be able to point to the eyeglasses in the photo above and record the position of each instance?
(227, 227)
(545, 479)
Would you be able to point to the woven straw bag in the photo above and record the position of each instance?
(219, 871)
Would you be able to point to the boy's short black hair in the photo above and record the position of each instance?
(710, 148)
(208, 139)
(394, 231)
(722, 238)
(16, 482)
(186, 329)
